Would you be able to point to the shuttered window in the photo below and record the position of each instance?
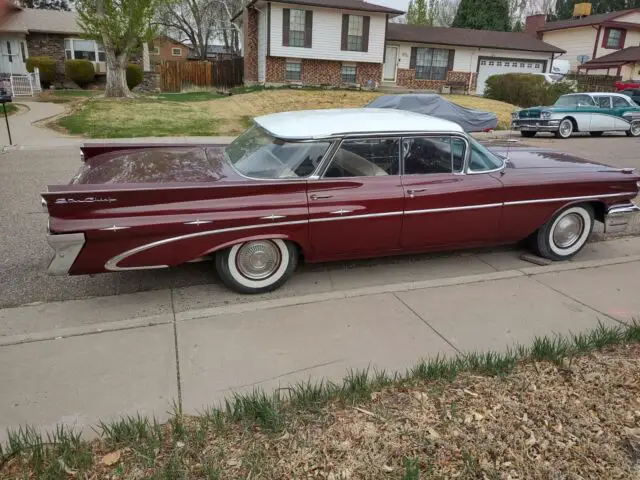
(355, 33)
(296, 28)
(297, 25)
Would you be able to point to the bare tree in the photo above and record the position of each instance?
(229, 31)
(190, 20)
(443, 12)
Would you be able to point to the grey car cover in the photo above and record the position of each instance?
(431, 104)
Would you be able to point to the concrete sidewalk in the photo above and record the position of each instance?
(98, 371)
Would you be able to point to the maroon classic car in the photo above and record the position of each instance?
(319, 186)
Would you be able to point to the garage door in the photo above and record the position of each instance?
(490, 67)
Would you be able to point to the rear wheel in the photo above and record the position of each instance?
(565, 129)
(257, 266)
(634, 130)
(565, 234)
(528, 134)
(596, 134)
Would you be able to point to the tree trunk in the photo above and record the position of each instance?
(117, 76)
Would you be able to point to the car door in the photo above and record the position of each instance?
(447, 204)
(602, 118)
(621, 106)
(355, 207)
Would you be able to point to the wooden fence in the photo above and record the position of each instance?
(175, 75)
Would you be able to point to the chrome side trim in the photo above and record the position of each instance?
(568, 199)
(454, 209)
(273, 217)
(67, 248)
(114, 228)
(356, 217)
(112, 264)
(198, 222)
(342, 211)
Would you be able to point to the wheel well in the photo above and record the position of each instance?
(575, 123)
(599, 210)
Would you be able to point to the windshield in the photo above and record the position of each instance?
(482, 159)
(257, 154)
(575, 101)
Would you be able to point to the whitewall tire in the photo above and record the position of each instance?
(566, 233)
(634, 129)
(257, 266)
(565, 129)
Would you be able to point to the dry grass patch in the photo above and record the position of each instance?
(231, 109)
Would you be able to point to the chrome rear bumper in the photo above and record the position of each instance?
(67, 248)
(619, 216)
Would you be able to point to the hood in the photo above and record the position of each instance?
(528, 158)
(155, 165)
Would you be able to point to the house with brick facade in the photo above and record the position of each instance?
(30, 32)
(165, 48)
(352, 42)
(600, 44)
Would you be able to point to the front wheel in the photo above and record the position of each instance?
(528, 133)
(565, 129)
(565, 234)
(634, 130)
(257, 266)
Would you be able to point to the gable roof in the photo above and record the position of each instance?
(466, 37)
(585, 21)
(46, 21)
(358, 5)
(626, 55)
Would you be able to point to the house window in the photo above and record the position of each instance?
(491, 64)
(498, 64)
(176, 52)
(431, 63)
(79, 49)
(613, 38)
(296, 27)
(355, 33)
(348, 74)
(293, 72)
(156, 50)
(483, 62)
(514, 64)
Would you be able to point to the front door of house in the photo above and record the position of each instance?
(390, 64)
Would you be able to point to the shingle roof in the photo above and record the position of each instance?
(48, 21)
(585, 21)
(466, 37)
(359, 5)
(629, 54)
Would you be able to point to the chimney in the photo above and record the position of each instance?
(534, 23)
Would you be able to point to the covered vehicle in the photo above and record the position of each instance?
(432, 104)
(323, 185)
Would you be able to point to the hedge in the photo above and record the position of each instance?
(524, 89)
(47, 67)
(134, 76)
(81, 72)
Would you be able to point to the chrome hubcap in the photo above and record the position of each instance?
(568, 230)
(635, 128)
(258, 260)
(565, 128)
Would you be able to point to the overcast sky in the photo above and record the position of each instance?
(398, 4)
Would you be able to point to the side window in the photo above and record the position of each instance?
(619, 102)
(366, 158)
(482, 159)
(425, 155)
(604, 102)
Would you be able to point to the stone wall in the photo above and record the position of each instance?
(250, 29)
(48, 45)
(407, 78)
(150, 83)
(321, 72)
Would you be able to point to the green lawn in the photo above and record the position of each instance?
(11, 108)
(101, 118)
(189, 97)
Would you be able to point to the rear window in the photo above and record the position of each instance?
(257, 154)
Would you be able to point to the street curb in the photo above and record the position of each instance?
(246, 307)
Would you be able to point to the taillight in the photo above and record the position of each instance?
(45, 206)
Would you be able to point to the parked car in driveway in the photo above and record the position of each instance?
(324, 185)
(595, 113)
(633, 94)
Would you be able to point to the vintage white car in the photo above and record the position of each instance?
(595, 113)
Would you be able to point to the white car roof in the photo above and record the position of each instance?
(310, 124)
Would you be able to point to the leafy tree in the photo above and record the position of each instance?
(483, 15)
(121, 26)
(46, 4)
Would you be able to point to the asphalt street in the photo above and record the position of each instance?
(24, 253)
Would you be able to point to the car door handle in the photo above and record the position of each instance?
(413, 191)
(320, 197)
(342, 211)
